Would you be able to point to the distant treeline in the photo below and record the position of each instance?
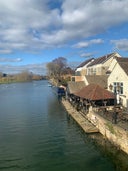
(20, 77)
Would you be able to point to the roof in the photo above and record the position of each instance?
(101, 80)
(73, 86)
(85, 63)
(101, 59)
(95, 92)
(122, 59)
(123, 62)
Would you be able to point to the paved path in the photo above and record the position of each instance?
(87, 126)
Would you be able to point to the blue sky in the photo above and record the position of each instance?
(34, 32)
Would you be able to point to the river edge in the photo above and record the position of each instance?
(115, 154)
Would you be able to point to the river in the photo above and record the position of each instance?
(36, 134)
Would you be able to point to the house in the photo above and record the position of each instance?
(81, 71)
(100, 65)
(112, 65)
(118, 81)
(96, 66)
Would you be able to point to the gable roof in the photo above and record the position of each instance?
(101, 59)
(123, 62)
(85, 62)
(97, 79)
(73, 86)
(95, 92)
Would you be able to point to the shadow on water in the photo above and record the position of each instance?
(118, 157)
(108, 150)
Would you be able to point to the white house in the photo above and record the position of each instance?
(100, 65)
(81, 70)
(118, 80)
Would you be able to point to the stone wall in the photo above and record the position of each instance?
(117, 135)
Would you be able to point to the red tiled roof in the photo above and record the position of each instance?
(95, 92)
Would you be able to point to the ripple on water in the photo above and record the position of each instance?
(35, 134)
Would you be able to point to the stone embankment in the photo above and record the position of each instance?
(84, 123)
(92, 122)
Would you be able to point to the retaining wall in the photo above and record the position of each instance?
(117, 135)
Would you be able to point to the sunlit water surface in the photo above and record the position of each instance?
(36, 135)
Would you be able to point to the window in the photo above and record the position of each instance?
(73, 78)
(94, 71)
(89, 72)
(118, 87)
(78, 73)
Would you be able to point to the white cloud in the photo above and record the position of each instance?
(121, 44)
(89, 17)
(87, 55)
(86, 44)
(23, 21)
(82, 44)
(35, 68)
(3, 59)
(35, 24)
(5, 51)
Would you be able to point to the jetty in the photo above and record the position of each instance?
(82, 121)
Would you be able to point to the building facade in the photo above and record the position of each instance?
(118, 81)
(101, 65)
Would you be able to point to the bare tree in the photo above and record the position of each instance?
(55, 68)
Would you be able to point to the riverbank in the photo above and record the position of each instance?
(114, 133)
(82, 121)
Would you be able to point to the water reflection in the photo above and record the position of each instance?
(118, 157)
(36, 135)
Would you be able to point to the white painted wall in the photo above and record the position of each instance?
(118, 75)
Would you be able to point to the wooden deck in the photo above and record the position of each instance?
(82, 121)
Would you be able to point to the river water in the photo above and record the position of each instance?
(36, 134)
